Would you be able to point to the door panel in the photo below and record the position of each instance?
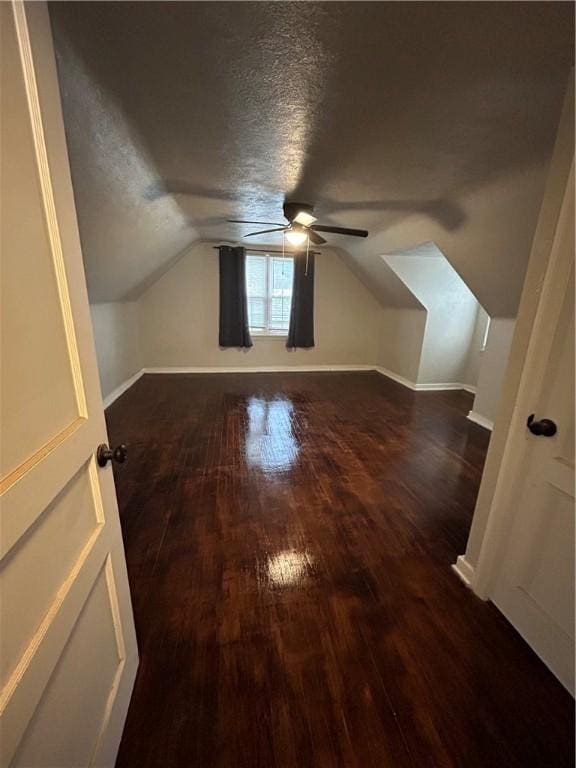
(69, 652)
(35, 374)
(549, 559)
(71, 519)
(61, 730)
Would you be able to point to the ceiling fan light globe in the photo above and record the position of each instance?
(304, 218)
(296, 236)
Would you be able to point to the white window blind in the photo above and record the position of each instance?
(269, 290)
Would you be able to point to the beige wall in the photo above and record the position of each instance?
(117, 341)
(440, 343)
(401, 341)
(493, 367)
(179, 319)
(447, 344)
(451, 312)
(476, 351)
(175, 324)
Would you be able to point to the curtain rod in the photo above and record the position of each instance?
(271, 250)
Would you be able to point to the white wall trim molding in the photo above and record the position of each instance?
(396, 377)
(115, 394)
(477, 418)
(432, 387)
(260, 369)
(464, 570)
(439, 387)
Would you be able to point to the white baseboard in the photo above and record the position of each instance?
(312, 369)
(115, 394)
(109, 399)
(439, 387)
(395, 377)
(260, 369)
(464, 570)
(436, 387)
(477, 418)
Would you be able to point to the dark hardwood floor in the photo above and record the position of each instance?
(289, 540)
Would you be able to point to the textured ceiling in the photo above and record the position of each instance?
(418, 121)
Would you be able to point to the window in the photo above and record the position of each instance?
(269, 290)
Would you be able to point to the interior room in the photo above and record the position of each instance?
(287, 359)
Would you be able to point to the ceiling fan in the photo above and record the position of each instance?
(301, 226)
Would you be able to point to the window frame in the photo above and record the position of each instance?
(266, 331)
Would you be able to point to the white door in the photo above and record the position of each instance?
(68, 649)
(534, 587)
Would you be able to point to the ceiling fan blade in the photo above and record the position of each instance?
(241, 221)
(340, 230)
(265, 232)
(316, 238)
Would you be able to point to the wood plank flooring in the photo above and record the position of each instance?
(289, 540)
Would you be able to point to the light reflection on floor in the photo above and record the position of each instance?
(270, 442)
(288, 568)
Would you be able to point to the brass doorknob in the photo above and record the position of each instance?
(104, 454)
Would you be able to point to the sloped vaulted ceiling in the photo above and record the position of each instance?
(419, 121)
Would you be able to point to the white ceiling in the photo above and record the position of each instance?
(418, 121)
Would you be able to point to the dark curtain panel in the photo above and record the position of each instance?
(301, 330)
(234, 330)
